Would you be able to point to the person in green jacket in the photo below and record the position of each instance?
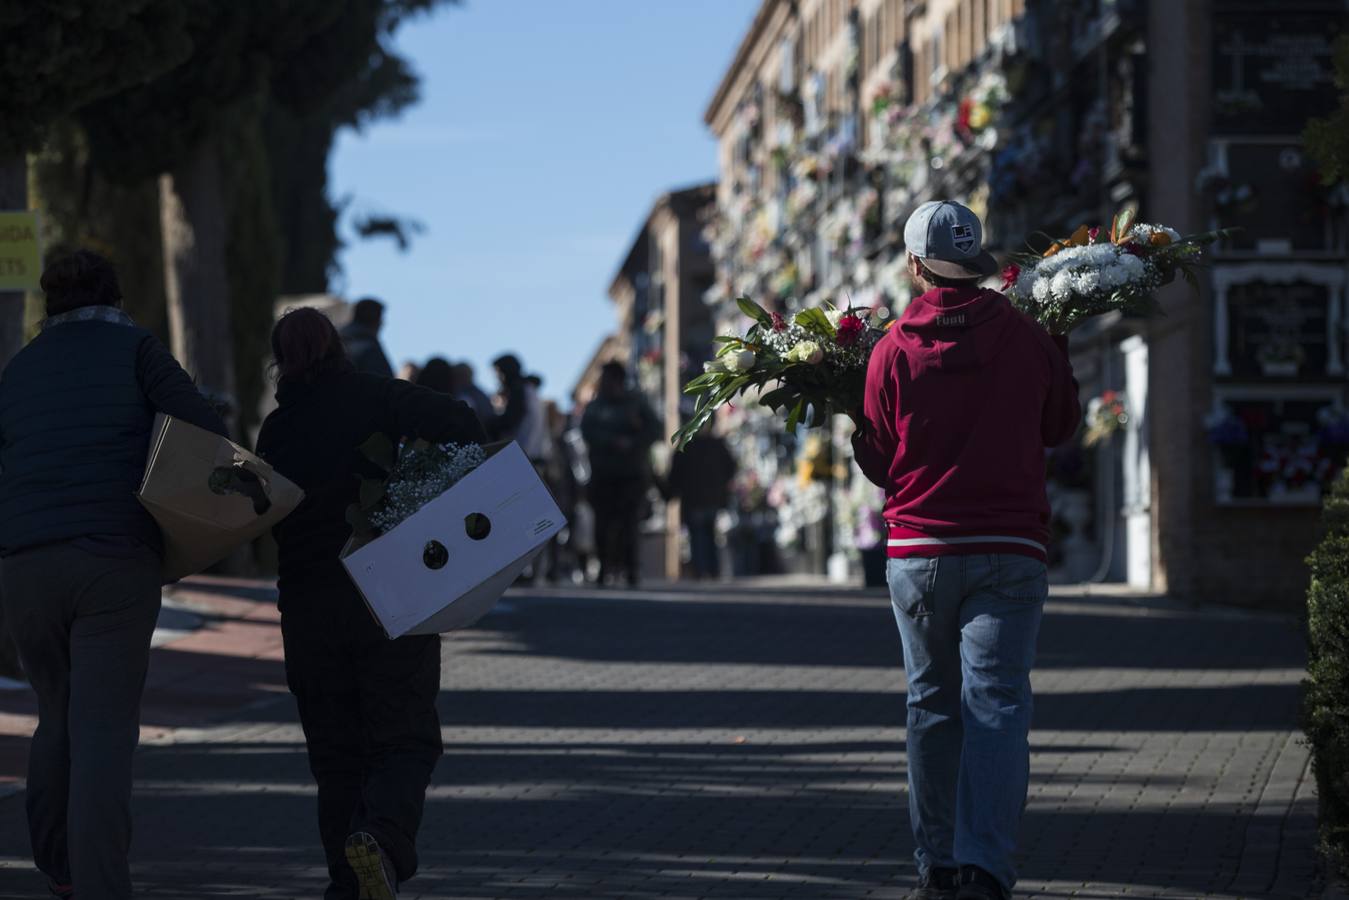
(619, 428)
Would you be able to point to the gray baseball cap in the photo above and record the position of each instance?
(949, 239)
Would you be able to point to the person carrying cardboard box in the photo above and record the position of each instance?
(82, 559)
(367, 703)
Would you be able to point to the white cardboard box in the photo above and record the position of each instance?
(397, 572)
(201, 525)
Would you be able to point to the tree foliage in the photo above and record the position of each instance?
(81, 208)
(238, 49)
(1326, 705)
(301, 133)
(1328, 138)
(62, 54)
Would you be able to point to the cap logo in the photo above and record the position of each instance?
(962, 237)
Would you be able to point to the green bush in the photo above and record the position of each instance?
(1326, 709)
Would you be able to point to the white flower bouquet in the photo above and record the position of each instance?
(415, 473)
(1090, 273)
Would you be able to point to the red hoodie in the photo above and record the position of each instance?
(963, 395)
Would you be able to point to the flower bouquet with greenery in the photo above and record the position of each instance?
(415, 473)
(1090, 272)
(808, 367)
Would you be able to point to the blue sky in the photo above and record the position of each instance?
(546, 129)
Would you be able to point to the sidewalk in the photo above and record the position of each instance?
(229, 660)
(739, 741)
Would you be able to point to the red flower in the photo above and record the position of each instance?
(963, 116)
(779, 323)
(1094, 233)
(1109, 397)
(1010, 275)
(850, 328)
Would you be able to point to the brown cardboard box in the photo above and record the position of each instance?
(208, 495)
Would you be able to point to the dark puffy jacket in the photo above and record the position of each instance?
(314, 438)
(700, 475)
(618, 432)
(76, 409)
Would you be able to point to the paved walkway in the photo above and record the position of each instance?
(748, 743)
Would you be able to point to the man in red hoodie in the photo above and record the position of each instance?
(963, 395)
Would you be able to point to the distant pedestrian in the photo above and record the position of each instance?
(409, 372)
(361, 338)
(82, 560)
(438, 375)
(533, 434)
(512, 400)
(367, 703)
(700, 479)
(467, 390)
(963, 396)
(619, 429)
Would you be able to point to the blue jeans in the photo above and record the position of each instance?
(969, 626)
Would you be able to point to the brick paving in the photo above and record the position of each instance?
(748, 742)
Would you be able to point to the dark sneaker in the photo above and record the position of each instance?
(64, 891)
(937, 884)
(976, 884)
(374, 871)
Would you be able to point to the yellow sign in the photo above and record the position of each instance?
(20, 254)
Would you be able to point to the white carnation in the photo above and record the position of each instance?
(1087, 282)
(1061, 285)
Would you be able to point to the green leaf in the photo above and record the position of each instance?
(1190, 278)
(703, 382)
(380, 451)
(753, 310)
(1124, 220)
(360, 523)
(779, 397)
(795, 416)
(815, 320)
(372, 492)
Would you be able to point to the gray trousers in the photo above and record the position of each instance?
(83, 624)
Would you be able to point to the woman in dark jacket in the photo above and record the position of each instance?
(367, 703)
(82, 559)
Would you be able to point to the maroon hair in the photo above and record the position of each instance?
(306, 346)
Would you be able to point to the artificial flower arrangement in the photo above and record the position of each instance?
(814, 365)
(1090, 273)
(415, 473)
(1106, 415)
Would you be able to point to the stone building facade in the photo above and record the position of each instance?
(837, 118)
(665, 329)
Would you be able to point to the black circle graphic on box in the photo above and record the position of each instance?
(477, 526)
(435, 556)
